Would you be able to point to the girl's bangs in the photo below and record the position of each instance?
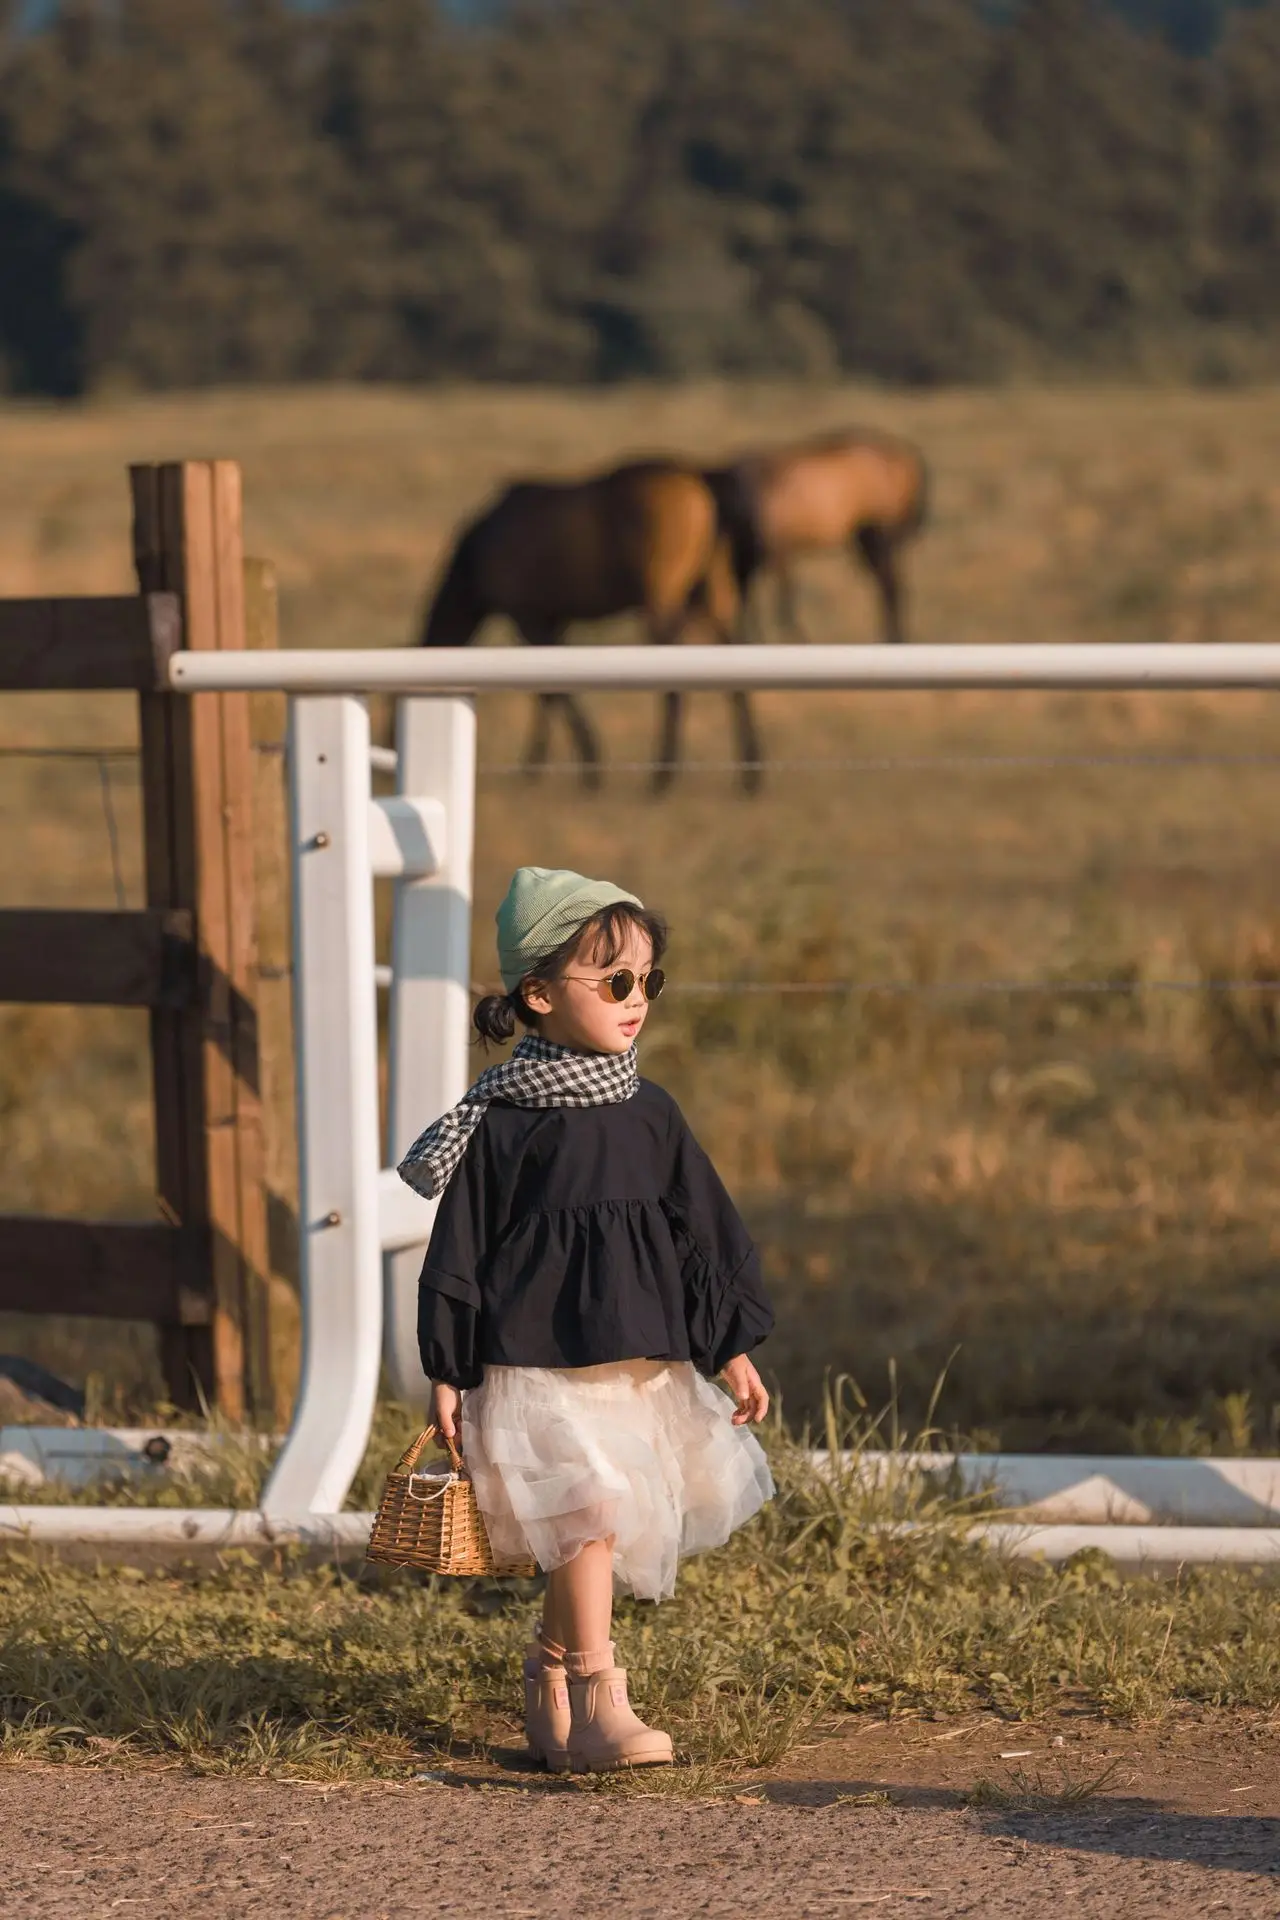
(608, 932)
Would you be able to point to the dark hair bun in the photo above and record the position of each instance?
(495, 1018)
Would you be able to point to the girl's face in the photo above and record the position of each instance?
(578, 1010)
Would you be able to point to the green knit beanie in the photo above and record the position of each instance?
(544, 905)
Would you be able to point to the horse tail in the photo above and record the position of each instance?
(738, 523)
(917, 515)
(455, 609)
(720, 590)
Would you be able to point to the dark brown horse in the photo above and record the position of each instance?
(863, 491)
(547, 553)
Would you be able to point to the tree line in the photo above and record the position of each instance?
(201, 191)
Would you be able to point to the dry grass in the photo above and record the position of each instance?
(815, 1611)
(1075, 1192)
(1053, 1789)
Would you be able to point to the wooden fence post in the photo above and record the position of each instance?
(268, 721)
(197, 772)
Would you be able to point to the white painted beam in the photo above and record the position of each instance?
(1136, 1550)
(430, 1061)
(407, 670)
(1042, 1489)
(169, 1534)
(404, 1220)
(1097, 1491)
(79, 1456)
(182, 1529)
(406, 838)
(339, 1151)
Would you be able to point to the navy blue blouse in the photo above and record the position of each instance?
(569, 1237)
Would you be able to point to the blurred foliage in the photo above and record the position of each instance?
(205, 191)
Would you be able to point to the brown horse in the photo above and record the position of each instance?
(546, 553)
(864, 491)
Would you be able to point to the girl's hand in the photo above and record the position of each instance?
(446, 1412)
(748, 1389)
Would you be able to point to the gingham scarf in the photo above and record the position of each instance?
(538, 1074)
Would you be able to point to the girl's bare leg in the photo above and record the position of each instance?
(577, 1610)
(604, 1731)
(572, 1639)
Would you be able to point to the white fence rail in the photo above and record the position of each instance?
(1044, 1490)
(164, 1534)
(406, 670)
(362, 1231)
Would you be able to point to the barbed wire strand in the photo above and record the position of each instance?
(104, 758)
(121, 754)
(68, 753)
(907, 989)
(113, 832)
(892, 763)
(951, 989)
(384, 761)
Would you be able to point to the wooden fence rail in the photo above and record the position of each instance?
(200, 1271)
(87, 645)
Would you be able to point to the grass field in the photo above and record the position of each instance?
(1067, 1199)
(815, 1612)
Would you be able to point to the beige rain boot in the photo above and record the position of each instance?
(605, 1733)
(546, 1703)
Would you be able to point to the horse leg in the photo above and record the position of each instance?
(584, 738)
(667, 758)
(750, 752)
(727, 603)
(535, 758)
(664, 629)
(540, 634)
(880, 552)
(720, 596)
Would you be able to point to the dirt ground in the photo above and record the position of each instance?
(936, 1819)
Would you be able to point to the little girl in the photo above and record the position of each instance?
(587, 1276)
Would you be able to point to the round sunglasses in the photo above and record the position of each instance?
(620, 986)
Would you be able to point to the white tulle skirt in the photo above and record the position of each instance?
(643, 1450)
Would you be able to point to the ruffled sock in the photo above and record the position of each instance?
(579, 1666)
(543, 1654)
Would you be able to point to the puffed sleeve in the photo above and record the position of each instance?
(448, 1293)
(727, 1310)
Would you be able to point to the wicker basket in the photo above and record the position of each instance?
(432, 1521)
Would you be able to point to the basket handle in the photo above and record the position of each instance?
(409, 1458)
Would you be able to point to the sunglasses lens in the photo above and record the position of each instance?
(621, 983)
(654, 984)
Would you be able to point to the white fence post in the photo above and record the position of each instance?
(337, 1051)
(430, 1065)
